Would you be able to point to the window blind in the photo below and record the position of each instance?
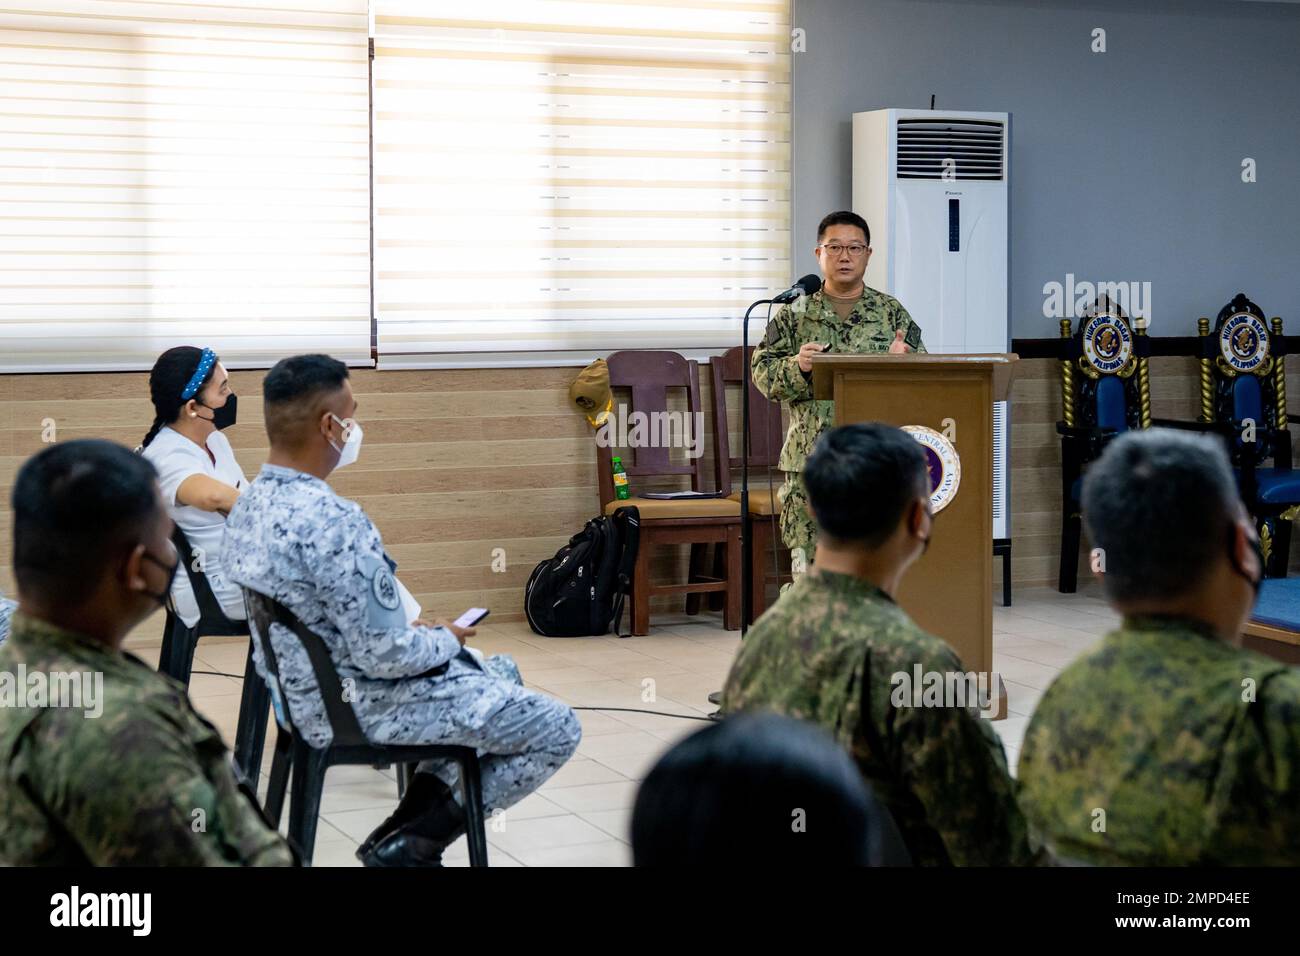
(182, 173)
(568, 177)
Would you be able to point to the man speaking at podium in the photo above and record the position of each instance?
(845, 317)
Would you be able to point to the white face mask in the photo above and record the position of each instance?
(351, 441)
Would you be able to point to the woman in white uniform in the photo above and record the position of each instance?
(197, 470)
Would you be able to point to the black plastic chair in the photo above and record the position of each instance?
(348, 746)
(177, 661)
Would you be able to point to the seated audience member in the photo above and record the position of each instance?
(197, 470)
(763, 790)
(103, 761)
(829, 649)
(1168, 744)
(292, 538)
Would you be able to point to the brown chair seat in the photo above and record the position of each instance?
(680, 508)
(763, 499)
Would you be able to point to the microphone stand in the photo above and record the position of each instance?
(746, 537)
(746, 540)
(746, 527)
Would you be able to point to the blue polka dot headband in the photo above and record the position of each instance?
(206, 361)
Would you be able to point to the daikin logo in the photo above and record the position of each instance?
(1071, 299)
(103, 909)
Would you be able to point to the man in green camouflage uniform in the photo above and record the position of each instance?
(103, 761)
(832, 648)
(845, 317)
(1168, 744)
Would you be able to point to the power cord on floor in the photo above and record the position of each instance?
(625, 710)
(637, 710)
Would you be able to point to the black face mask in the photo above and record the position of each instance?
(224, 416)
(1259, 555)
(171, 569)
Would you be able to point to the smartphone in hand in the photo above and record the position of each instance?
(471, 617)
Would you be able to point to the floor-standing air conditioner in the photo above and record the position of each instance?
(933, 189)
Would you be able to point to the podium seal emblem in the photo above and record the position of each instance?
(1243, 341)
(942, 462)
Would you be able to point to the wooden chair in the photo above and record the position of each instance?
(649, 375)
(1111, 395)
(766, 436)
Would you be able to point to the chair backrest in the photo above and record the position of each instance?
(766, 433)
(649, 375)
(263, 612)
(1247, 399)
(1243, 380)
(212, 619)
(1102, 367)
(1111, 406)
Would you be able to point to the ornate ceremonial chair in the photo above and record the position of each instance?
(1243, 398)
(699, 521)
(765, 438)
(1105, 391)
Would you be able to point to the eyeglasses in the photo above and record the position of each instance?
(855, 249)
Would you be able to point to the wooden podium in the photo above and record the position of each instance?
(949, 591)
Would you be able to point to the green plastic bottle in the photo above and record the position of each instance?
(621, 491)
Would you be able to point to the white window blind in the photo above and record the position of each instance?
(568, 177)
(182, 173)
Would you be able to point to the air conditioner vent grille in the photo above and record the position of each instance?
(956, 150)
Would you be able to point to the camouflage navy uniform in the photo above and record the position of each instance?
(827, 652)
(290, 537)
(147, 782)
(870, 328)
(1188, 746)
(6, 612)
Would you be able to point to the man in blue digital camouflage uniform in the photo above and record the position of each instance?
(292, 538)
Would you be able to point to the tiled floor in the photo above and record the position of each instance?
(581, 816)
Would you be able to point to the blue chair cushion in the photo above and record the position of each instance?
(1277, 486)
(1247, 402)
(1278, 604)
(1110, 404)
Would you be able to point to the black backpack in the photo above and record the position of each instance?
(580, 591)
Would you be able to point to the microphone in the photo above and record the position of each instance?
(805, 286)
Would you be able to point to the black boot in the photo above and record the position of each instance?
(424, 793)
(403, 848)
(420, 842)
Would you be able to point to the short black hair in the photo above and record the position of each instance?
(843, 218)
(861, 478)
(1160, 504)
(76, 505)
(291, 391)
(735, 792)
